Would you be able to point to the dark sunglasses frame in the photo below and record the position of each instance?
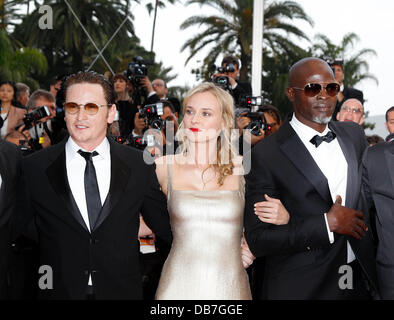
(95, 105)
(313, 89)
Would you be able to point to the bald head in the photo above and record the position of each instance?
(351, 110)
(314, 106)
(306, 68)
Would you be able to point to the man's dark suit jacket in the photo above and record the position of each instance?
(110, 253)
(10, 159)
(241, 90)
(378, 194)
(300, 261)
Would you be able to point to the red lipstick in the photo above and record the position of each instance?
(194, 129)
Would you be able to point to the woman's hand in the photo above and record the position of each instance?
(246, 255)
(271, 211)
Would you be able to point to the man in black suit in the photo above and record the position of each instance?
(85, 195)
(10, 159)
(323, 242)
(378, 196)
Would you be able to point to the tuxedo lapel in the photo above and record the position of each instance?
(294, 149)
(347, 146)
(120, 174)
(57, 176)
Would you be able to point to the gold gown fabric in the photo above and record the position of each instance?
(205, 259)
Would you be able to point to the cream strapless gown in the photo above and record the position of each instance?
(205, 259)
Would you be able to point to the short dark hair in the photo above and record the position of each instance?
(230, 59)
(93, 78)
(374, 139)
(271, 110)
(14, 101)
(387, 113)
(168, 104)
(31, 104)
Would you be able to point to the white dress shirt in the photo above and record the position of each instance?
(330, 159)
(75, 166)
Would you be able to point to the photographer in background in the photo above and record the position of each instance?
(42, 131)
(230, 69)
(23, 94)
(258, 125)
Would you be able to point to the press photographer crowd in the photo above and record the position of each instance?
(76, 193)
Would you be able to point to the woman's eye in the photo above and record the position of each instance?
(206, 114)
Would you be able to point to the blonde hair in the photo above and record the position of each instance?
(225, 151)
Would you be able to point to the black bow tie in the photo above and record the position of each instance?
(317, 140)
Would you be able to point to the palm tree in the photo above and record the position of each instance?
(149, 7)
(231, 30)
(67, 39)
(356, 65)
(19, 64)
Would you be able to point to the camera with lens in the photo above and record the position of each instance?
(136, 70)
(257, 119)
(34, 117)
(257, 122)
(223, 81)
(153, 113)
(250, 102)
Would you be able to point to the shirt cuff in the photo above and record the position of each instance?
(234, 86)
(330, 233)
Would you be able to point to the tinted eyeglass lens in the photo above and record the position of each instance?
(332, 89)
(71, 107)
(91, 108)
(312, 89)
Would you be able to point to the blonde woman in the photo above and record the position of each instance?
(205, 192)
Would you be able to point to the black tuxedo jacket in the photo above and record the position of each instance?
(10, 159)
(110, 252)
(300, 261)
(378, 194)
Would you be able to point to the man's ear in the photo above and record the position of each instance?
(290, 94)
(337, 116)
(361, 120)
(111, 114)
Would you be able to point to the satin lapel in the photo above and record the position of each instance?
(57, 176)
(389, 155)
(353, 177)
(294, 149)
(120, 174)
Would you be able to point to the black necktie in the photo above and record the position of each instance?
(92, 193)
(317, 140)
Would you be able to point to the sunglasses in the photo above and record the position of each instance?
(313, 89)
(90, 107)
